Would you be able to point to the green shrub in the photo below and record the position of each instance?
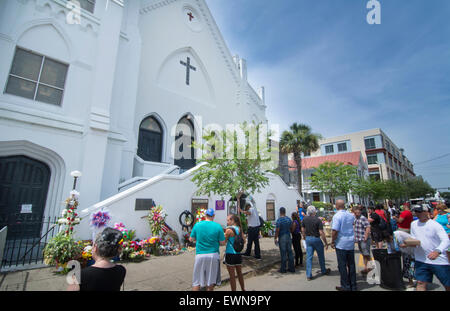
(61, 249)
(267, 228)
(319, 205)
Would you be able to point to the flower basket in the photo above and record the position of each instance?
(62, 249)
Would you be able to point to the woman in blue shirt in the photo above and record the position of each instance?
(233, 259)
(443, 217)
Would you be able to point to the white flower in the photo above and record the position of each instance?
(88, 248)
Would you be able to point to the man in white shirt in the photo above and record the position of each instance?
(430, 256)
(253, 230)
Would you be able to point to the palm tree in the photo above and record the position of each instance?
(299, 140)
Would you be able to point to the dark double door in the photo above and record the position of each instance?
(24, 186)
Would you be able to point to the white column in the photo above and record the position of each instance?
(96, 136)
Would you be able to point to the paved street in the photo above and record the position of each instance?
(174, 273)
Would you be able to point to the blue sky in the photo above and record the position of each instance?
(322, 64)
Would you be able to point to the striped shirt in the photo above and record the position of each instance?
(360, 224)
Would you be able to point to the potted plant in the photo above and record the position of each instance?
(267, 228)
(62, 249)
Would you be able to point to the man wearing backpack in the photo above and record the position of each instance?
(379, 225)
(235, 244)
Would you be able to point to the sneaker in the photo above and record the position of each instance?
(245, 255)
(327, 272)
(258, 258)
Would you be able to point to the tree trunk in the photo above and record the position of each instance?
(238, 198)
(298, 162)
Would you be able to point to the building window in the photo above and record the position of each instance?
(370, 143)
(88, 5)
(37, 77)
(307, 154)
(390, 162)
(329, 149)
(270, 210)
(372, 159)
(388, 146)
(342, 147)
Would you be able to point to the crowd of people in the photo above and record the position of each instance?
(375, 227)
(369, 228)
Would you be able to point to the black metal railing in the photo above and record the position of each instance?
(27, 248)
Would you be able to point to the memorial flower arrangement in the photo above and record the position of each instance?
(62, 249)
(133, 251)
(100, 219)
(200, 215)
(69, 215)
(128, 235)
(156, 219)
(151, 245)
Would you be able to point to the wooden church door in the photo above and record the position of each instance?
(24, 185)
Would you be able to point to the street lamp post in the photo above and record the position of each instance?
(75, 175)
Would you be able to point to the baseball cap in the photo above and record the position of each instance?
(419, 208)
(210, 212)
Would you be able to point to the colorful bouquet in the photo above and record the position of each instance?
(132, 250)
(128, 235)
(200, 215)
(151, 245)
(156, 219)
(100, 219)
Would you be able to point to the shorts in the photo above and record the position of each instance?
(364, 247)
(425, 272)
(206, 270)
(232, 259)
(380, 235)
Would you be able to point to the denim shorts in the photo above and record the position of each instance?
(364, 247)
(425, 271)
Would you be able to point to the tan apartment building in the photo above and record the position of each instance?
(384, 158)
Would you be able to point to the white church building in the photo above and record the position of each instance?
(107, 90)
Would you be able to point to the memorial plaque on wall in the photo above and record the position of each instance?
(144, 204)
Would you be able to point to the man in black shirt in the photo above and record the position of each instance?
(312, 230)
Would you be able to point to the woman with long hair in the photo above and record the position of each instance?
(296, 239)
(233, 259)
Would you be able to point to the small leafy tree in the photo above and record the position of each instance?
(417, 187)
(234, 166)
(361, 187)
(334, 178)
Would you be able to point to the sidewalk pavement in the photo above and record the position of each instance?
(174, 273)
(171, 273)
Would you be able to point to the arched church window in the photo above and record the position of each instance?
(184, 151)
(150, 140)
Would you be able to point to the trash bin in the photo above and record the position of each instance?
(391, 276)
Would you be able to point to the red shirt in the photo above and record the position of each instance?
(381, 213)
(407, 219)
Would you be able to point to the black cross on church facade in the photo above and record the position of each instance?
(188, 68)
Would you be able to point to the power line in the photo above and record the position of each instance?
(437, 158)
